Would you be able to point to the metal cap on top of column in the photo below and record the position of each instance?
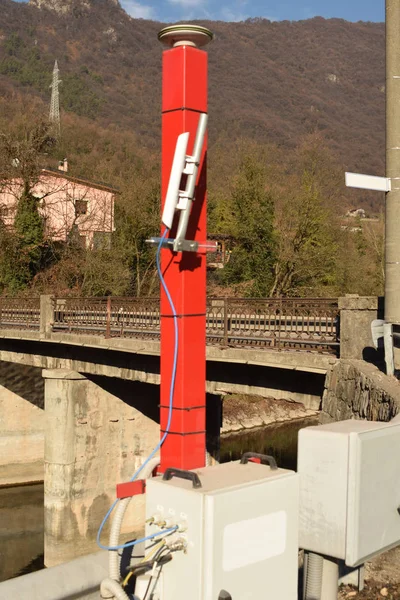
(184, 101)
(185, 35)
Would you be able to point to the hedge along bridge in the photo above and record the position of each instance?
(303, 324)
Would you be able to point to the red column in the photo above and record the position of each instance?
(184, 99)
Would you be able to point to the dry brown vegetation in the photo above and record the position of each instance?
(269, 81)
(291, 106)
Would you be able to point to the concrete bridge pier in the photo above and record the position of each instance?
(94, 439)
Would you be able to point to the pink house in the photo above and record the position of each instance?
(66, 202)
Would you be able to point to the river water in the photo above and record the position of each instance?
(21, 530)
(21, 507)
(278, 440)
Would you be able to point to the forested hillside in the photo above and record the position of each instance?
(270, 81)
(292, 105)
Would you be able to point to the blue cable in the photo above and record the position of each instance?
(171, 400)
(145, 539)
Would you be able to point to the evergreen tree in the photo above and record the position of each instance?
(252, 217)
(28, 226)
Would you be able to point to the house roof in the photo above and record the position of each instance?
(87, 182)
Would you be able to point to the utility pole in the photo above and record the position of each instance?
(392, 213)
(391, 185)
(54, 116)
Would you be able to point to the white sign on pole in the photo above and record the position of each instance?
(368, 182)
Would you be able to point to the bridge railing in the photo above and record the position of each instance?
(20, 313)
(111, 316)
(277, 323)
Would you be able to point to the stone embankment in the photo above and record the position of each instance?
(355, 389)
(242, 412)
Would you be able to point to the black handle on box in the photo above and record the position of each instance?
(264, 459)
(193, 477)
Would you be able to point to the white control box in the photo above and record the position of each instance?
(241, 532)
(349, 489)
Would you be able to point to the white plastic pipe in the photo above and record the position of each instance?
(112, 589)
(114, 538)
(117, 522)
(313, 587)
(330, 579)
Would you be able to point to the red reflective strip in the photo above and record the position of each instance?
(131, 488)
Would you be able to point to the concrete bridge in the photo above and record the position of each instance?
(118, 337)
(99, 359)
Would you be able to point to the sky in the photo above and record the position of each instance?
(239, 10)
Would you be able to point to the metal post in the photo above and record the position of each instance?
(388, 344)
(392, 217)
(108, 322)
(279, 320)
(225, 344)
(184, 99)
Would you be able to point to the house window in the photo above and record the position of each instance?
(101, 240)
(81, 207)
